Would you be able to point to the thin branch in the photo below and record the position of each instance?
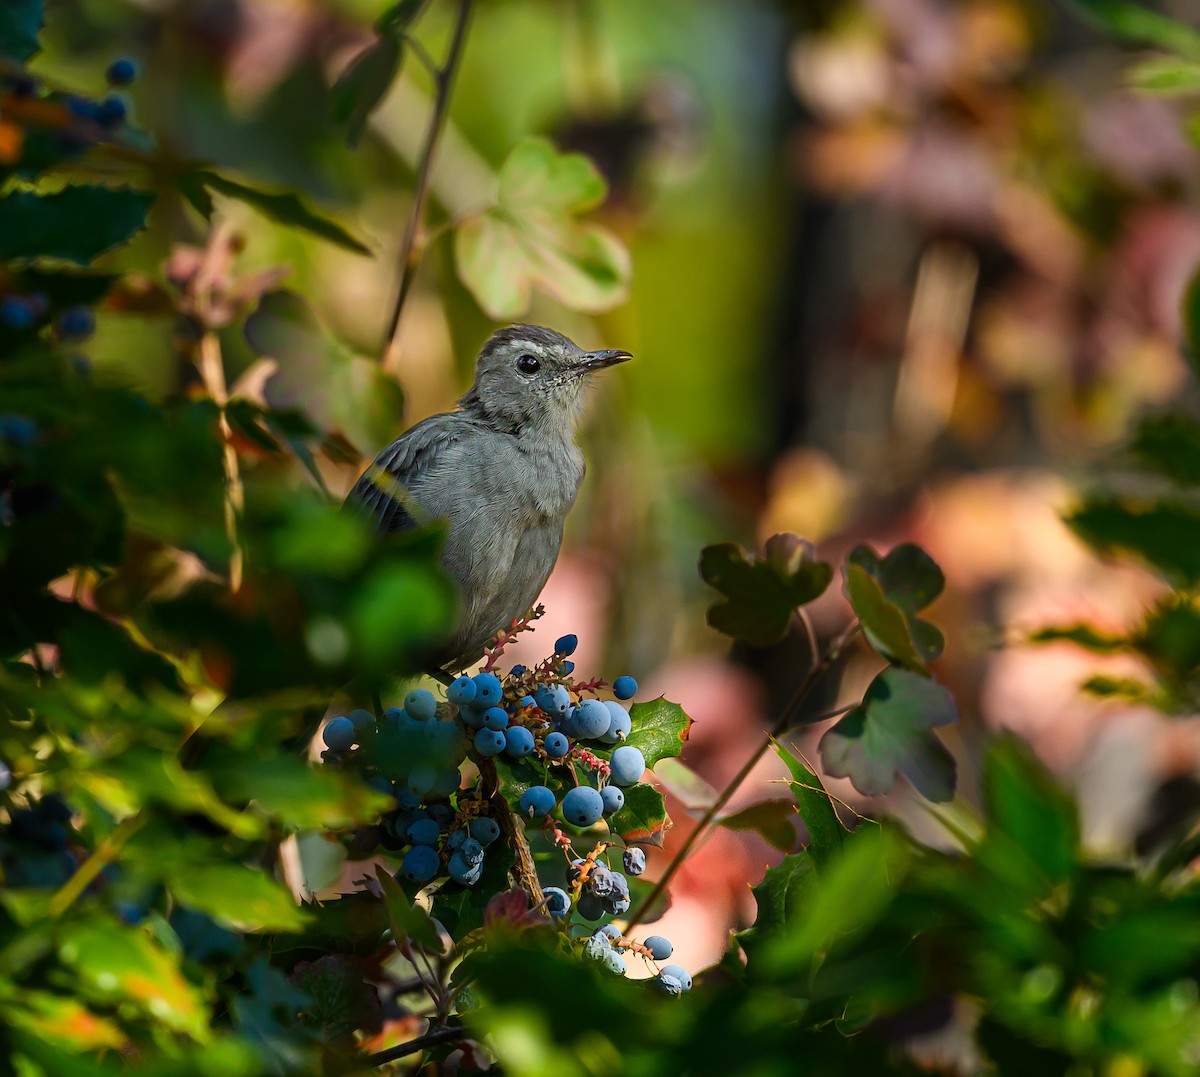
(785, 721)
(430, 1039)
(410, 248)
(104, 855)
(212, 372)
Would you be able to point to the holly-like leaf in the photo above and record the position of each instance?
(76, 224)
(1163, 533)
(761, 593)
(364, 84)
(20, 23)
(772, 819)
(340, 1000)
(890, 732)
(280, 205)
(530, 237)
(643, 819)
(660, 729)
(237, 897)
(825, 830)
(119, 964)
(781, 897)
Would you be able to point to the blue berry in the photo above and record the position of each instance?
(461, 691)
(18, 429)
(554, 699)
(408, 800)
(674, 972)
(537, 800)
(660, 949)
(625, 688)
(582, 806)
(16, 313)
(489, 742)
(420, 704)
(565, 645)
(633, 860)
(472, 718)
(121, 72)
(628, 764)
(440, 812)
(495, 718)
(457, 837)
(558, 902)
(556, 745)
(463, 872)
(518, 742)
(488, 690)
(590, 907)
(339, 734)
(614, 962)
(564, 668)
(471, 851)
(591, 718)
(75, 323)
(619, 723)
(484, 829)
(446, 782)
(614, 799)
(362, 719)
(420, 864)
(111, 112)
(516, 671)
(424, 832)
(609, 932)
(595, 947)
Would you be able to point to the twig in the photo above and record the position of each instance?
(105, 853)
(410, 251)
(430, 1039)
(514, 833)
(782, 724)
(212, 372)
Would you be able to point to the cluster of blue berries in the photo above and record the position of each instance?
(609, 948)
(20, 312)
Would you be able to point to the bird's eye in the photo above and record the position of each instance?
(527, 364)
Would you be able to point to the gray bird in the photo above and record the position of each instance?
(503, 471)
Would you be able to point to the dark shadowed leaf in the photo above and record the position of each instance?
(283, 206)
(1162, 533)
(408, 921)
(772, 819)
(1137, 24)
(363, 85)
(890, 733)
(660, 729)
(883, 622)
(761, 593)
(782, 897)
(887, 593)
(908, 575)
(340, 1000)
(20, 23)
(75, 224)
(1170, 445)
(399, 16)
(1082, 635)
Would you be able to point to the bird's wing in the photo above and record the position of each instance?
(384, 488)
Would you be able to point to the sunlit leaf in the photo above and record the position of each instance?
(530, 238)
(643, 819)
(1139, 25)
(237, 896)
(825, 830)
(889, 733)
(660, 729)
(1165, 75)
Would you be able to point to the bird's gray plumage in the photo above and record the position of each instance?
(503, 471)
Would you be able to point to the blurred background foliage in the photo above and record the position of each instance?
(901, 269)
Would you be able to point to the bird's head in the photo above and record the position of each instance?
(527, 376)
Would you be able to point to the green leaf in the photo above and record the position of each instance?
(1170, 445)
(364, 84)
(237, 897)
(1026, 807)
(1082, 635)
(529, 237)
(761, 593)
(1137, 25)
(643, 819)
(75, 224)
(660, 729)
(1191, 300)
(825, 831)
(399, 16)
(888, 593)
(119, 964)
(1170, 637)
(408, 921)
(890, 733)
(1163, 533)
(20, 23)
(282, 206)
(1165, 75)
(883, 622)
(772, 819)
(782, 896)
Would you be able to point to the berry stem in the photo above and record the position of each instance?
(524, 871)
(411, 248)
(785, 720)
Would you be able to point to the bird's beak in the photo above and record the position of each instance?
(599, 360)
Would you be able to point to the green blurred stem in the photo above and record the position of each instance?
(105, 853)
(782, 724)
(411, 248)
